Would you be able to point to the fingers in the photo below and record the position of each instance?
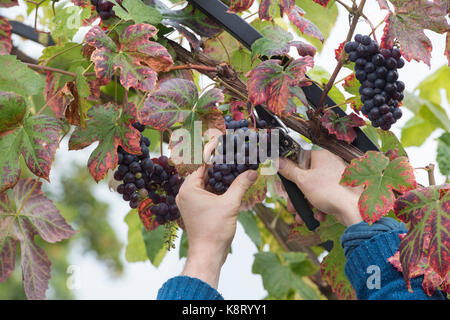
(320, 158)
(290, 170)
(209, 149)
(240, 185)
(195, 179)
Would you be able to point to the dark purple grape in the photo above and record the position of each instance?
(397, 113)
(368, 92)
(129, 178)
(390, 63)
(140, 183)
(374, 114)
(134, 204)
(400, 63)
(147, 165)
(378, 60)
(128, 159)
(129, 188)
(350, 46)
(372, 76)
(219, 187)
(120, 157)
(353, 56)
(360, 75)
(126, 197)
(378, 100)
(135, 167)
(360, 62)
(365, 40)
(400, 86)
(396, 53)
(386, 53)
(139, 126)
(134, 197)
(381, 72)
(146, 141)
(163, 208)
(118, 176)
(391, 76)
(384, 109)
(163, 161)
(369, 67)
(121, 188)
(358, 38)
(380, 83)
(218, 176)
(229, 178)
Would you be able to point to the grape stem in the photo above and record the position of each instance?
(357, 13)
(193, 66)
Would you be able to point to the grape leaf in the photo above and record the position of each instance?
(175, 101)
(428, 212)
(263, 11)
(283, 272)
(36, 139)
(247, 219)
(146, 215)
(138, 59)
(213, 47)
(17, 77)
(287, 5)
(240, 5)
(27, 214)
(296, 16)
(155, 244)
(407, 26)
(430, 88)
(431, 279)
(5, 37)
(390, 142)
(277, 41)
(351, 85)
(380, 177)
(332, 266)
(137, 11)
(135, 250)
(342, 127)
(255, 194)
(189, 17)
(269, 82)
(12, 110)
(111, 126)
(8, 3)
(443, 153)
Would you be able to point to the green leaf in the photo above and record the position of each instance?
(112, 127)
(320, 75)
(443, 154)
(428, 212)
(275, 41)
(12, 110)
(155, 244)
(36, 140)
(137, 11)
(248, 221)
(316, 13)
(17, 77)
(183, 250)
(5, 36)
(380, 177)
(27, 214)
(138, 59)
(281, 275)
(431, 86)
(332, 266)
(389, 141)
(136, 250)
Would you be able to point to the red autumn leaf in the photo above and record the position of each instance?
(304, 25)
(323, 3)
(287, 5)
(269, 83)
(36, 138)
(255, 194)
(8, 3)
(5, 36)
(408, 23)
(236, 108)
(263, 11)
(23, 216)
(175, 101)
(240, 5)
(338, 51)
(111, 126)
(146, 215)
(427, 210)
(379, 177)
(138, 59)
(341, 127)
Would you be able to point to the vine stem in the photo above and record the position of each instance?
(226, 85)
(193, 66)
(358, 13)
(45, 68)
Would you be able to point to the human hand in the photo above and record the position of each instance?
(320, 185)
(210, 223)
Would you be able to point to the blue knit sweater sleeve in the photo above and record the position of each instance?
(187, 288)
(367, 249)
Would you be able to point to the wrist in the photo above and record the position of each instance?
(349, 212)
(204, 263)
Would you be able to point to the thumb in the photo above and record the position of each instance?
(241, 184)
(290, 170)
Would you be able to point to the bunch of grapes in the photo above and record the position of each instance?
(376, 70)
(223, 173)
(143, 177)
(104, 8)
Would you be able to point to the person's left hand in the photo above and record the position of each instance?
(210, 222)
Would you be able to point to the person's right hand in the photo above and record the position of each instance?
(320, 185)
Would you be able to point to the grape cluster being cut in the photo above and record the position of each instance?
(143, 177)
(376, 70)
(223, 172)
(105, 8)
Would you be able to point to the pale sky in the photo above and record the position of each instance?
(142, 280)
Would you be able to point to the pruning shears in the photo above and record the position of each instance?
(291, 142)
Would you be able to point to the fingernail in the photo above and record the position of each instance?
(282, 163)
(252, 176)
